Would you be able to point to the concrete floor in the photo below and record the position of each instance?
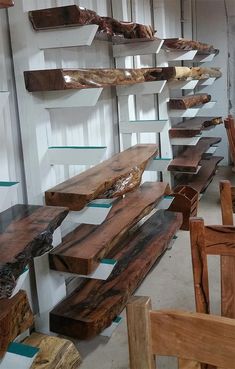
(170, 285)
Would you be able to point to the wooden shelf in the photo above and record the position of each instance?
(93, 306)
(112, 178)
(82, 249)
(193, 127)
(189, 159)
(15, 318)
(26, 232)
(6, 4)
(203, 178)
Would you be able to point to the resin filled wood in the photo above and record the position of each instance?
(193, 127)
(6, 3)
(92, 307)
(15, 318)
(184, 44)
(83, 248)
(203, 178)
(72, 15)
(25, 232)
(186, 102)
(189, 159)
(55, 352)
(112, 178)
(66, 79)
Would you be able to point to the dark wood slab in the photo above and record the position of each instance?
(67, 79)
(184, 44)
(189, 159)
(203, 178)
(186, 102)
(112, 178)
(193, 127)
(15, 318)
(25, 232)
(93, 306)
(72, 15)
(83, 248)
(6, 3)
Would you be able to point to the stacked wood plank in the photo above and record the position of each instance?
(193, 127)
(6, 3)
(25, 232)
(190, 101)
(82, 249)
(54, 352)
(92, 307)
(112, 178)
(186, 45)
(190, 158)
(15, 318)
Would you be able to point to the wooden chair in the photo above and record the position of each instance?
(229, 124)
(197, 337)
(227, 200)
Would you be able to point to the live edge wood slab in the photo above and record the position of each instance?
(93, 306)
(186, 102)
(112, 178)
(189, 159)
(83, 248)
(55, 352)
(184, 44)
(193, 127)
(6, 3)
(15, 318)
(25, 232)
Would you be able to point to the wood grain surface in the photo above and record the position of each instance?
(15, 318)
(189, 159)
(25, 232)
(118, 175)
(55, 352)
(6, 3)
(92, 307)
(193, 127)
(190, 101)
(184, 44)
(82, 249)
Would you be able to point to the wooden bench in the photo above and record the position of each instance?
(193, 127)
(25, 232)
(112, 178)
(15, 318)
(93, 306)
(229, 124)
(190, 158)
(82, 249)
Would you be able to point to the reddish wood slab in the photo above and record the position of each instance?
(83, 248)
(193, 127)
(186, 102)
(184, 44)
(15, 318)
(6, 4)
(25, 232)
(112, 178)
(93, 306)
(189, 159)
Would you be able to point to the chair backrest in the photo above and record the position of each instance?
(193, 336)
(227, 200)
(229, 124)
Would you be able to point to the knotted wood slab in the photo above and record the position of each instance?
(189, 159)
(83, 248)
(112, 178)
(55, 352)
(72, 15)
(6, 4)
(186, 102)
(25, 232)
(66, 79)
(199, 73)
(193, 127)
(184, 44)
(93, 306)
(203, 178)
(15, 318)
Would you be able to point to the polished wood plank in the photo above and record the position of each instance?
(190, 101)
(55, 352)
(93, 306)
(82, 249)
(6, 3)
(114, 177)
(25, 232)
(193, 127)
(15, 318)
(184, 44)
(189, 159)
